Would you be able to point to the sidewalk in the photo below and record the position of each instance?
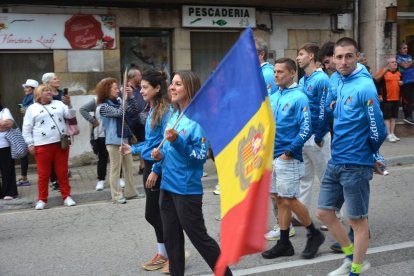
(83, 179)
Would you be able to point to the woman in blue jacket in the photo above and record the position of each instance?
(154, 91)
(111, 111)
(182, 157)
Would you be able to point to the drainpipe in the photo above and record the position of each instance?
(356, 21)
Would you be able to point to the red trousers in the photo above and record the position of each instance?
(45, 156)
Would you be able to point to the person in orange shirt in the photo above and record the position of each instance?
(388, 81)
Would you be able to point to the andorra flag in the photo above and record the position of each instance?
(234, 110)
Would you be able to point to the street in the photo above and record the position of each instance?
(102, 238)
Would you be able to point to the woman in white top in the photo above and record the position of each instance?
(8, 188)
(43, 129)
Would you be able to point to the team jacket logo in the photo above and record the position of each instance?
(286, 107)
(250, 155)
(348, 103)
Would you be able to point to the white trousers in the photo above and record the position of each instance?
(315, 159)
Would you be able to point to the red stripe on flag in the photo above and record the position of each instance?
(250, 216)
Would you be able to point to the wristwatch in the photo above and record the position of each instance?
(288, 153)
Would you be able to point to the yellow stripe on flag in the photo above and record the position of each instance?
(236, 171)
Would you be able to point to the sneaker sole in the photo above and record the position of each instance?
(408, 122)
(152, 268)
(285, 254)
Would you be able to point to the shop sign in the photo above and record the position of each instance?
(57, 31)
(218, 17)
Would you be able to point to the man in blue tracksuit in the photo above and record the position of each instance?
(359, 131)
(317, 150)
(291, 111)
(267, 68)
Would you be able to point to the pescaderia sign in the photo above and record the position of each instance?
(57, 31)
(218, 17)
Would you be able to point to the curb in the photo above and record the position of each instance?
(81, 198)
(400, 160)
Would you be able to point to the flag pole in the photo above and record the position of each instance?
(123, 121)
(123, 103)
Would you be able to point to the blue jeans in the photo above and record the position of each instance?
(349, 183)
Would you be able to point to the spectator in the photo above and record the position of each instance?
(389, 81)
(111, 111)
(44, 131)
(8, 188)
(99, 136)
(406, 66)
(28, 99)
(133, 119)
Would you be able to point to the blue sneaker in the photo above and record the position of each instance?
(23, 182)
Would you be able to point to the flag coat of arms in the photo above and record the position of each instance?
(234, 110)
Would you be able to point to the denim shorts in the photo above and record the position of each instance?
(286, 175)
(349, 183)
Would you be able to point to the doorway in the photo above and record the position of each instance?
(207, 50)
(15, 69)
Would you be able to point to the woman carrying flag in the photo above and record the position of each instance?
(182, 157)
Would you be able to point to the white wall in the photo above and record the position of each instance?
(81, 142)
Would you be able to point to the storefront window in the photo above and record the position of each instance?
(146, 49)
(207, 50)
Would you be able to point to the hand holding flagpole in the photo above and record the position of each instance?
(175, 124)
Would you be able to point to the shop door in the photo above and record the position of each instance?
(207, 50)
(15, 69)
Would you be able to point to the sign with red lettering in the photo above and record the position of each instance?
(57, 31)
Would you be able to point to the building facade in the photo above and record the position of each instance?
(166, 35)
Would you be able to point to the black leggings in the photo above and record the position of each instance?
(102, 158)
(8, 174)
(24, 164)
(152, 208)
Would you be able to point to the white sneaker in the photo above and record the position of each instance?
(395, 137)
(345, 268)
(40, 205)
(391, 138)
(385, 173)
(100, 185)
(121, 183)
(69, 202)
(205, 174)
(274, 234)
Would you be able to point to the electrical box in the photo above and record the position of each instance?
(344, 21)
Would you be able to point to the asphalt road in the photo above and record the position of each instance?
(102, 238)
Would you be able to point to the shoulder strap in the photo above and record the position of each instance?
(52, 119)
